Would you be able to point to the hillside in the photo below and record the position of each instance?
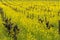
(29, 20)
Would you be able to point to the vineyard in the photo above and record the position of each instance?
(29, 20)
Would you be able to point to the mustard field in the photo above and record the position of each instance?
(29, 20)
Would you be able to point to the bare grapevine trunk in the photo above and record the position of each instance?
(2, 14)
(59, 26)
